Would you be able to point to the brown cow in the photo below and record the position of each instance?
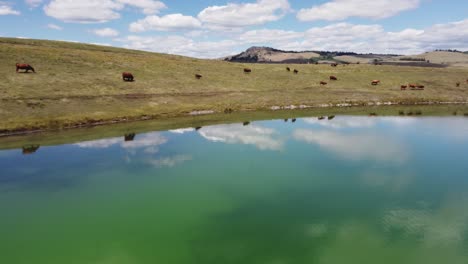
(288, 69)
(198, 76)
(334, 64)
(412, 86)
(458, 84)
(30, 149)
(127, 77)
(333, 78)
(129, 137)
(247, 70)
(323, 83)
(296, 71)
(375, 82)
(26, 67)
(420, 87)
(403, 87)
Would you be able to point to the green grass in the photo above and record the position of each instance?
(79, 83)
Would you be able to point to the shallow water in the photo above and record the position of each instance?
(348, 190)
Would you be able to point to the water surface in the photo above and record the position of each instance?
(348, 190)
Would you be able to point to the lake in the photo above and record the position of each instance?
(353, 189)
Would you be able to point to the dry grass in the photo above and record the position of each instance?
(78, 82)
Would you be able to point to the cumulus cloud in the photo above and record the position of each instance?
(96, 11)
(337, 36)
(33, 3)
(342, 9)
(169, 161)
(55, 27)
(374, 38)
(262, 138)
(6, 9)
(172, 22)
(355, 146)
(148, 142)
(182, 130)
(148, 6)
(105, 32)
(175, 44)
(245, 14)
(269, 35)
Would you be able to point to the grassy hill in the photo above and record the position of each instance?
(81, 84)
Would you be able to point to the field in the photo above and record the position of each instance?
(78, 84)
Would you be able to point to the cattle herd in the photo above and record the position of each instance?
(128, 77)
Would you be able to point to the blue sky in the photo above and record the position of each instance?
(216, 28)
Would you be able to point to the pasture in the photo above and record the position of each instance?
(78, 84)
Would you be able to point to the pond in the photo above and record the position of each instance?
(349, 189)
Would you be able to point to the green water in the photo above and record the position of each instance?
(347, 190)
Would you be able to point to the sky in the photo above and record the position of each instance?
(218, 28)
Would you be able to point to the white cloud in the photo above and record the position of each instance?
(33, 3)
(342, 9)
(148, 142)
(148, 6)
(55, 27)
(355, 146)
(269, 35)
(180, 45)
(169, 161)
(182, 130)
(343, 122)
(105, 32)
(6, 9)
(374, 38)
(245, 14)
(96, 11)
(172, 22)
(262, 138)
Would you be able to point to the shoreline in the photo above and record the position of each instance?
(89, 123)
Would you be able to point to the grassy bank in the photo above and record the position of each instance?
(70, 136)
(81, 84)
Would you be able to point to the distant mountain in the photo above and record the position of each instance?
(428, 59)
(271, 55)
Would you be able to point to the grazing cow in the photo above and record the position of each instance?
(247, 70)
(420, 87)
(412, 86)
(127, 77)
(296, 71)
(334, 64)
(323, 83)
(375, 82)
(26, 67)
(30, 149)
(129, 137)
(458, 84)
(403, 87)
(333, 78)
(246, 123)
(198, 76)
(288, 69)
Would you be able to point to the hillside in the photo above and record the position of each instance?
(80, 84)
(270, 55)
(442, 57)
